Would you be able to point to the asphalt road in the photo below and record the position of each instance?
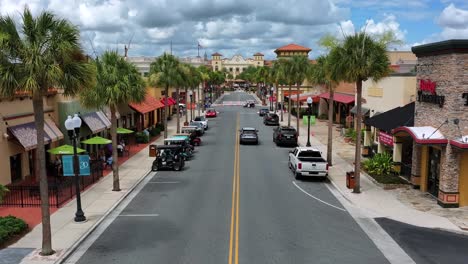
(233, 205)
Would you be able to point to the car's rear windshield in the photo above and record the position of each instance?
(309, 154)
(288, 130)
(198, 119)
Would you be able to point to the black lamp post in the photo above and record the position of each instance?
(191, 105)
(271, 98)
(73, 127)
(309, 103)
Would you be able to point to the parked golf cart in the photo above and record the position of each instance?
(167, 157)
(184, 142)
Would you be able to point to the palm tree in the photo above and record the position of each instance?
(321, 73)
(298, 68)
(357, 59)
(165, 72)
(195, 78)
(262, 75)
(204, 77)
(278, 76)
(41, 53)
(118, 82)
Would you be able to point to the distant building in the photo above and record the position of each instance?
(292, 50)
(143, 63)
(237, 64)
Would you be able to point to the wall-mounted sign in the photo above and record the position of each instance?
(465, 95)
(385, 139)
(427, 93)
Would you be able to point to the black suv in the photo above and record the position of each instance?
(284, 135)
(263, 111)
(271, 119)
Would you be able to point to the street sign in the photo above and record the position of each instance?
(85, 168)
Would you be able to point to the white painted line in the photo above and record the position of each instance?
(165, 182)
(336, 207)
(139, 215)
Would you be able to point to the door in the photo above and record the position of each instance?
(463, 179)
(433, 171)
(15, 168)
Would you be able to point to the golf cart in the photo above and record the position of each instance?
(184, 142)
(167, 157)
(194, 140)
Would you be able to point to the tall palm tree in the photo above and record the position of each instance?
(118, 82)
(165, 72)
(299, 66)
(323, 74)
(41, 53)
(205, 77)
(357, 59)
(182, 81)
(262, 75)
(278, 76)
(195, 79)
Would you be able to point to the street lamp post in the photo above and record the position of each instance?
(309, 103)
(272, 89)
(73, 127)
(191, 105)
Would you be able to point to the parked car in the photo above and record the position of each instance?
(248, 135)
(210, 112)
(307, 161)
(249, 104)
(263, 111)
(200, 128)
(202, 120)
(271, 119)
(168, 157)
(284, 135)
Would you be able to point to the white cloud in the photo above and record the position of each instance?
(454, 18)
(389, 23)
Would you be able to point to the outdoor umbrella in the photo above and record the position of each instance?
(64, 150)
(121, 130)
(97, 141)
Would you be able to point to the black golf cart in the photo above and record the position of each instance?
(167, 157)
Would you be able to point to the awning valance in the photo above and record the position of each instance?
(149, 104)
(339, 97)
(461, 143)
(96, 121)
(426, 135)
(393, 118)
(170, 101)
(26, 134)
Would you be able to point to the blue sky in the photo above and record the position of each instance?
(244, 26)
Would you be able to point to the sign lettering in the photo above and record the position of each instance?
(427, 93)
(385, 139)
(465, 95)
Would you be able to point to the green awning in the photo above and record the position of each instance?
(97, 141)
(121, 130)
(64, 150)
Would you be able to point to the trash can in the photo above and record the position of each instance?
(152, 151)
(350, 179)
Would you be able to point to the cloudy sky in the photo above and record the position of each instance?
(245, 26)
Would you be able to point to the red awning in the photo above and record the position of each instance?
(339, 97)
(149, 104)
(461, 143)
(425, 135)
(303, 98)
(170, 101)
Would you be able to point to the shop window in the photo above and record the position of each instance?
(15, 168)
(433, 171)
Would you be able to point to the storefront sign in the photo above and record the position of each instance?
(67, 161)
(427, 93)
(385, 139)
(465, 95)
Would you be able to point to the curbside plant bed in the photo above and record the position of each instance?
(389, 182)
(11, 230)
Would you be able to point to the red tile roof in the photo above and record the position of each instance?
(216, 54)
(338, 97)
(292, 47)
(258, 54)
(149, 104)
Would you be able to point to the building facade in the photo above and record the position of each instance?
(237, 64)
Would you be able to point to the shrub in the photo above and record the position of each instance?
(154, 131)
(141, 137)
(11, 226)
(3, 190)
(160, 126)
(380, 164)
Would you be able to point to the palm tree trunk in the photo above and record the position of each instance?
(177, 109)
(166, 110)
(298, 110)
(203, 95)
(186, 105)
(289, 106)
(198, 99)
(330, 127)
(357, 161)
(115, 157)
(282, 104)
(38, 105)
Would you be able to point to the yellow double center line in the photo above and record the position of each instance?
(234, 234)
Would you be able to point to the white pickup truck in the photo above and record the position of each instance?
(307, 161)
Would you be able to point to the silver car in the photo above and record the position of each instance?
(248, 135)
(202, 120)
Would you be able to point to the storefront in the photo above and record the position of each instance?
(440, 119)
(146, 115)
(342, 103)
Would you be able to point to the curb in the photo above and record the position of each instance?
(77, 243)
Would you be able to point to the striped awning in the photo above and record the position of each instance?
(96, 121)
(26, 134)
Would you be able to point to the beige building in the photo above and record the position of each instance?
(237, 64)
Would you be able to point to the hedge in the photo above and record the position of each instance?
(11, 226)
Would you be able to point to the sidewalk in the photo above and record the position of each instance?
(97, 202)
(402, 204)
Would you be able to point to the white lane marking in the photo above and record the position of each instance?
(336, 207)
(139, 215)
(165, 182)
